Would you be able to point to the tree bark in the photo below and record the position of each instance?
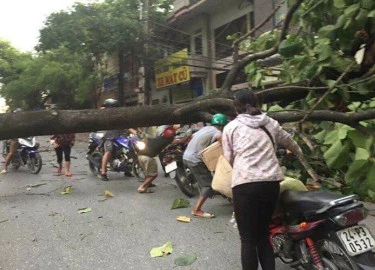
(23, 124)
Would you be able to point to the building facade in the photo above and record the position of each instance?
(191, 53)
(203, 28)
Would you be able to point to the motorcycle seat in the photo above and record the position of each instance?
(310, 202)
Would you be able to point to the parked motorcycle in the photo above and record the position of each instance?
(320, 230)
(124, 158)
(26, 155)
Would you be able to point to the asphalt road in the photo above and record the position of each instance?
(42, 229)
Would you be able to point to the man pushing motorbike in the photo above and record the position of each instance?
(108, 138)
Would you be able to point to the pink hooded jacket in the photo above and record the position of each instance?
(249, 149)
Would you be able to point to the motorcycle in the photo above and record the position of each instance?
(320, 230)
(124, 158)
(26, 155)
(171, 159)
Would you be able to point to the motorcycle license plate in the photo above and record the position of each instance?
(171, 167)
(357, 239)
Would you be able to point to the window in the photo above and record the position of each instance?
(198, 43)
(224, 46)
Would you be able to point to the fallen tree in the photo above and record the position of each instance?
(64, 121)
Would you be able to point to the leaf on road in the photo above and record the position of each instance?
(164, 250)
(67, 190)
(84, 210)
(108, 194)
(36, 185)
(186, 259)
(183, 219)
(180, 203)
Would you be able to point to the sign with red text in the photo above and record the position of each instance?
(172, 70)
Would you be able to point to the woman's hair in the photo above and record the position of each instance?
(245, 101)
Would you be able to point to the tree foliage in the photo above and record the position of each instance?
(319, 54)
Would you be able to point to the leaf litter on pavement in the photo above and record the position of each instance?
(84, 210)
(162, 251)
(107, 194)
(180, 203)
(67, 190)
(183, 219)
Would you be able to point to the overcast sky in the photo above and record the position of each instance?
(21, 20)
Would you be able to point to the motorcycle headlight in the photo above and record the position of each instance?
(140, 145)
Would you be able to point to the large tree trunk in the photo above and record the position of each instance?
(24, 124)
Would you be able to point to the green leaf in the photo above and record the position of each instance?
(180, 203)
(352, 10)
(343, 131)
(347, 24)
(162, 251)
(84, 210)
(356, 169)
(67, 190)
(360, 140)
(361, 154)
(339, 3)
(331, 137)
(289, 48)
(326, 30)
(371, 194)
(336, 155)
(361, 17)
(186, 259)
(371, 14)
(368, 4)
(258, 79)
(325, 52)
(320, 135)
(275, 108)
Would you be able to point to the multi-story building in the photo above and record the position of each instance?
(198, 31)
(190, 55)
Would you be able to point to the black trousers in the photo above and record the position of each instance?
(59, 153)
(254, 204)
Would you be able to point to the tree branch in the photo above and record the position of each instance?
(252, 31)
(328, 92)
(226, 87)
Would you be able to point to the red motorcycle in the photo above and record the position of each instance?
(320, 230)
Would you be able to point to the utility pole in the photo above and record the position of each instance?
(146, 62)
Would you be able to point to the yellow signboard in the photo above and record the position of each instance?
(172, 70)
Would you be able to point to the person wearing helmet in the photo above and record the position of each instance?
(108, 138)
(170, 131)
(193, 160)
(110, 103)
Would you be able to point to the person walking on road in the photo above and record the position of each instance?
(63, 144)
(193, 160)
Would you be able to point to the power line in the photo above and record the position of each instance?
(188, 34)
(197, 54)
(200, 58)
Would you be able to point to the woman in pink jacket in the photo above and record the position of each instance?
(249, 143)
